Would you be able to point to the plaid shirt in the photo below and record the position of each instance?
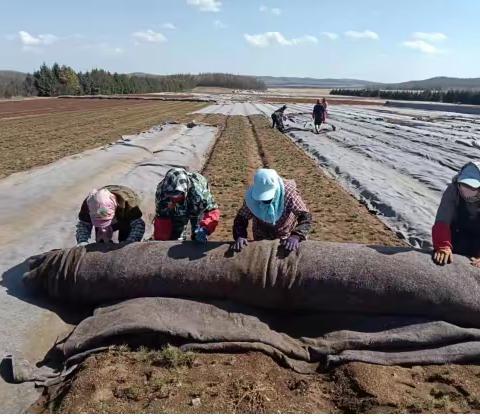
(296, 219)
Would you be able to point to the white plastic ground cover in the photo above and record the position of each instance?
(396, 160)
(39, 211)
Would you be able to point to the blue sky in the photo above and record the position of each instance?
(366, 39)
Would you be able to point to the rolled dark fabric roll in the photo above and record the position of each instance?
(321, 276)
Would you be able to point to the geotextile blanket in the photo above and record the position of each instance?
(326, 304)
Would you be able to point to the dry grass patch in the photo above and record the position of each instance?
(337, 215)
(230, 170)
(39, 140)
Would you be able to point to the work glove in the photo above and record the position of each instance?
(240, 242)
(201, 234)
(443, 256)
(82, 244)
(291, 243)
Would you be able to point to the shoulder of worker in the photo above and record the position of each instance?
(84, 213)
(448, 204)
(290, 185)
(124, 193)
(128, 202)
(198, 181)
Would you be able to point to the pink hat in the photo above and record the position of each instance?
(102, 205)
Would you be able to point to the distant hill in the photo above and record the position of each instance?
(6, 76)
(437, 83)
(296, 82)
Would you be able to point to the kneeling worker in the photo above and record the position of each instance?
(182, 196)
(277, 118)
(277, 210)
(109, 209)
(457, 224)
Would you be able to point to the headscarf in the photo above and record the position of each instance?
(176, 181)
(267, 185)
(102, 205)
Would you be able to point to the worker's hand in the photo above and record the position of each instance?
(82, 244)
(292, 243)
(240, 242)
(201, 234)
(475, 262)
(443, 256)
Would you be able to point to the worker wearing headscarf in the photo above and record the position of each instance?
(457, 224)
(109, 209)
(277, 210)
(182, 197)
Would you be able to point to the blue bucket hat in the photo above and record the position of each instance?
(470, 175)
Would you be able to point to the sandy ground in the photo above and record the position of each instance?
(52, 196)
(169, 381)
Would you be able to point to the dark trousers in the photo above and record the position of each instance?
(277, 121)
(180, 225)
(465, 242)
(465, 232)
(123, 228)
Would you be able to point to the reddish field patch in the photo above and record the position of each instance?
(25, 108)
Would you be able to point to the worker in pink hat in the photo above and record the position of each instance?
(109, 209)
(276, 209)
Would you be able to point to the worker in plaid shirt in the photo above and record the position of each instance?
(277, 210)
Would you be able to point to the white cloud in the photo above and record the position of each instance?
(422, 46)
(423, 42)
(219, 24)
(304, 39)
(263, 40)
(366, 34)
(169, 25)
(103, 48)
(274, 10)
(429, 36)
(40, 40)
(330, 35)
(149, 36)
(206, 5)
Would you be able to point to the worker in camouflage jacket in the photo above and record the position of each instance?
(182, 197)
(109, 209)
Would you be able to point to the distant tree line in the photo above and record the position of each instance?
(15, 84)
(63, 80)
(449, 96)
(240, 82)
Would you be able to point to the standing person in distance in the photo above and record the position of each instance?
(318, 115)
(325, 113)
